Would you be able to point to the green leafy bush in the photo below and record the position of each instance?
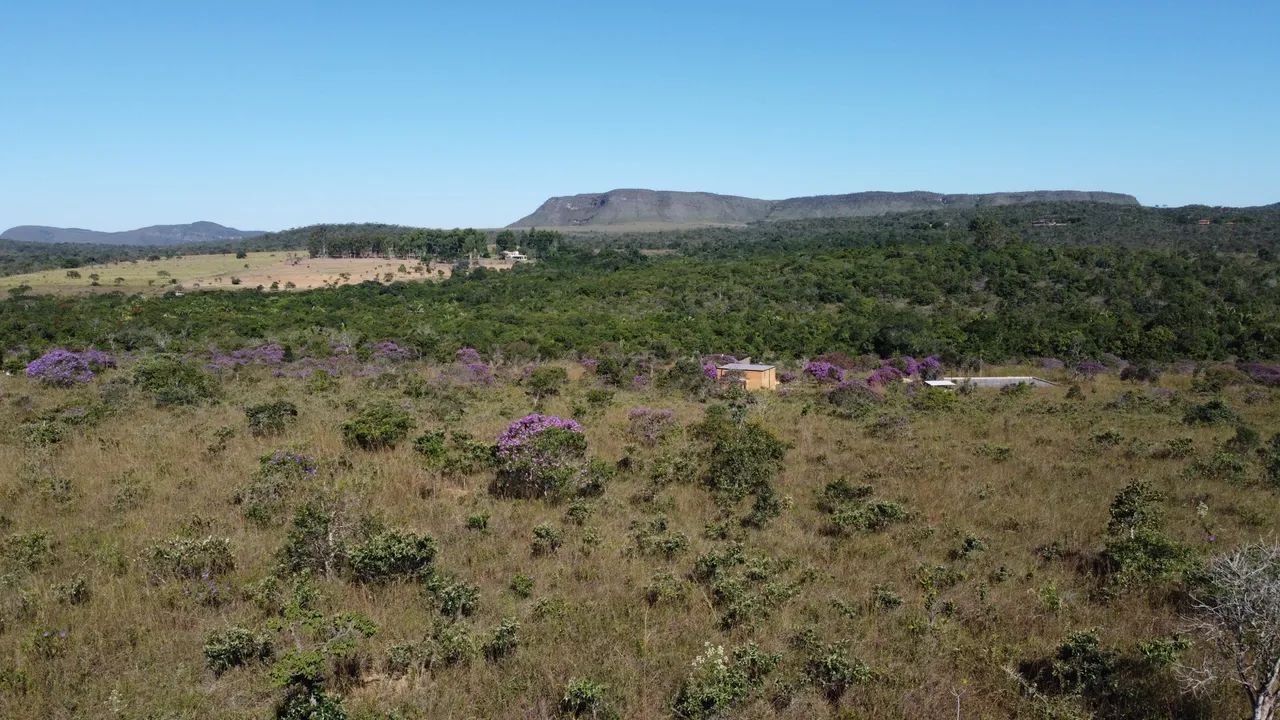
(187, 558)
(236, 646)
(1213, 412)
(270, 418)
(719, 682)
(172, 381)
(391, 555)
(504, 640)
(585, 698)
(379, 425)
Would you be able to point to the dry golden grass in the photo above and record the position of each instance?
(135, 649)
(288, 270)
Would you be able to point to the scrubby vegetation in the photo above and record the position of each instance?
(276, 531)
(527, 494)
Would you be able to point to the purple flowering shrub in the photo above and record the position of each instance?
(590, 364)
(1261, 373)
(1089, 369)
(64, 368)
(649, 425)
(472, 367)
(387, 351)
(786, 377)
(540, 456)
(271, 354)
(823, 371)
(885, 375)
(854, 398)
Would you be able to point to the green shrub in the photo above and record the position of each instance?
(1137, 552)
(454, 598)
(377, 426)
(478, 522)
(27, 552)
(313, 541)
(391, 555)
(871, 517)
(546, 381)
(719, 683)
(75, 591)
(546, 539)
(665, 588)
(270, 418)
(521, 585)
(654, 538)
(235, 646)
(833, 672)
(1214, 412)
(171, 381)
(504, 641)
(186, 558)
(279, 475)
(585, 698)
(1271, 462)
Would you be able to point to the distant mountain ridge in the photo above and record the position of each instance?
(635, 206)
(158, 235)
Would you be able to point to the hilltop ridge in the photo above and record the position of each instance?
(636, 206)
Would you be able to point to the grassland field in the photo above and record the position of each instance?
(1007, 498)
(289, 270)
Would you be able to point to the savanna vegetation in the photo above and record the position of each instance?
(526, 495)
(261, 532)
(981, 294)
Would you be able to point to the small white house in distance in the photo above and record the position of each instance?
(999, 382)
(514, 255)
(940, 384)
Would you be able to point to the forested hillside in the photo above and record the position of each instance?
(977, 296)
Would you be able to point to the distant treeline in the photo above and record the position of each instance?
(371, 239)
(1227, 229)
(979, 293)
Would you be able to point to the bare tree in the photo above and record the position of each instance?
(1238, 615)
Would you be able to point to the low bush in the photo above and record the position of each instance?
(184, 558)
(719, 682)
(585, 698)
(391, 555)
(172, 381)
(1213, 412)
(234, 647)
(379, 425)
(270, 418)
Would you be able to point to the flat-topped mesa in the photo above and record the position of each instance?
(669, 207)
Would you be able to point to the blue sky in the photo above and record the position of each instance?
(269, 115)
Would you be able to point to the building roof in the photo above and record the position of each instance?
(1001, 381)
(746, 367)
(939, 383)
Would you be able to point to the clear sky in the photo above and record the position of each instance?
(267, 115)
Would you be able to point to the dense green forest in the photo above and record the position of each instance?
(981, 295)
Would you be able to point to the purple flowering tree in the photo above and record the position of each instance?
(64, 368)
(540, 456)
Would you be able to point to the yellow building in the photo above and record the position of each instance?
(752, 376)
